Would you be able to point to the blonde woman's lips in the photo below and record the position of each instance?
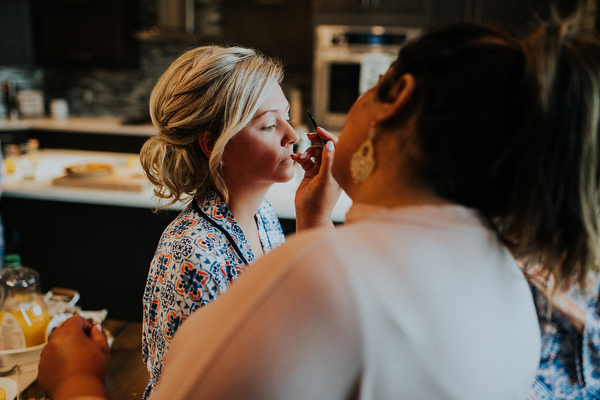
(287, 160)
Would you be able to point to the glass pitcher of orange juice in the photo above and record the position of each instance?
(23, 317)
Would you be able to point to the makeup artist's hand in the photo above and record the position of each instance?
(74, 362)
(318, 192)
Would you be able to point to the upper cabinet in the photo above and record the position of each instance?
(409, 13)
(372, 5)
(16, 43)
(68, 32)
(278, 28)
(85, 32)
(517, 17)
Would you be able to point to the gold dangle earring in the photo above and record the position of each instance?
(362, 163)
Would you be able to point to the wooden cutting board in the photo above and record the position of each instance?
(133, 182)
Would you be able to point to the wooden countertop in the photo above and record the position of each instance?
(127, 375)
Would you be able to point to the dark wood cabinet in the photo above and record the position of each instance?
(16, 41)
(102, 251)
(85, 33)
(398, 6)
(399, 13)
(278, 28)
(517, 17)
(76, 140)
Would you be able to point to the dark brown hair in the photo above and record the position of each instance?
(511, 128)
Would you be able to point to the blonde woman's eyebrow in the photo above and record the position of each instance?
(271, 110)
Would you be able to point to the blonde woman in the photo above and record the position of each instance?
(224, 138)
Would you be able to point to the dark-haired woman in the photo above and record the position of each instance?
(417, 296)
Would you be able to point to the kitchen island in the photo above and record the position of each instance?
(100, 241)
(53, 162)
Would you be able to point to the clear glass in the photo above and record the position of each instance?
(23, 318)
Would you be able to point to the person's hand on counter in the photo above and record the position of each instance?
(318, 191)
(74, 362)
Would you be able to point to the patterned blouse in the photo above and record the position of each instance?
(198, 256)
(570, 362)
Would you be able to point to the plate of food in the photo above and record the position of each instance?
(8, 389)
(86, 170)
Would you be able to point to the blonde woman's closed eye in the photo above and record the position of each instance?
(269, 128)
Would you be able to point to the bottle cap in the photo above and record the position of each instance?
(11, 261)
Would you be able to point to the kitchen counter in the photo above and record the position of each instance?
(99, 241)
(84, 125)
(52, 163)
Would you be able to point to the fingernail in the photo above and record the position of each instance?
(99, 327)
(329, 145)
(304, 155)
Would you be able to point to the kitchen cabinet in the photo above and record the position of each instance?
(277, 28)
(85, 33)
(514, 16)
(78, 133)
(399, 13)
(76, 140)
(371, 5)
(102, 251)
(16, 42)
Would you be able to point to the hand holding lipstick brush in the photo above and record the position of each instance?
(314, 123)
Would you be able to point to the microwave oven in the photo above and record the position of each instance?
(348, 60)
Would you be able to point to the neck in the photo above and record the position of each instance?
(393, 183)
(244, 203)
(377, 191)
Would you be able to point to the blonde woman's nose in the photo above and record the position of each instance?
(290, 135)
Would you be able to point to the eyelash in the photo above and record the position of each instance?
(271, 127)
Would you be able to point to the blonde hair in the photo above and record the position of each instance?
(559, 224)
(210, 89)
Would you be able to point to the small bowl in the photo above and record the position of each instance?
(8, 358)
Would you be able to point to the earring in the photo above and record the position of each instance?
(362, 163)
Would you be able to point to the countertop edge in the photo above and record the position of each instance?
(99, 125)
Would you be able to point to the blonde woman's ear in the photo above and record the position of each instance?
(206, 143)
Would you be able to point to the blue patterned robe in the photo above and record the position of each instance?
(570, 362)
(194, 263)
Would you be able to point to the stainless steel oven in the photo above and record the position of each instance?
(348, 61)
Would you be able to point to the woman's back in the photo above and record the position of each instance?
(411, 303)
(444, 310)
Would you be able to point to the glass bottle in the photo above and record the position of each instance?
(23, 319)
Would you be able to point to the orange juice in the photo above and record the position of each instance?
(23, 317)
(23, 324)
(10, 165)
